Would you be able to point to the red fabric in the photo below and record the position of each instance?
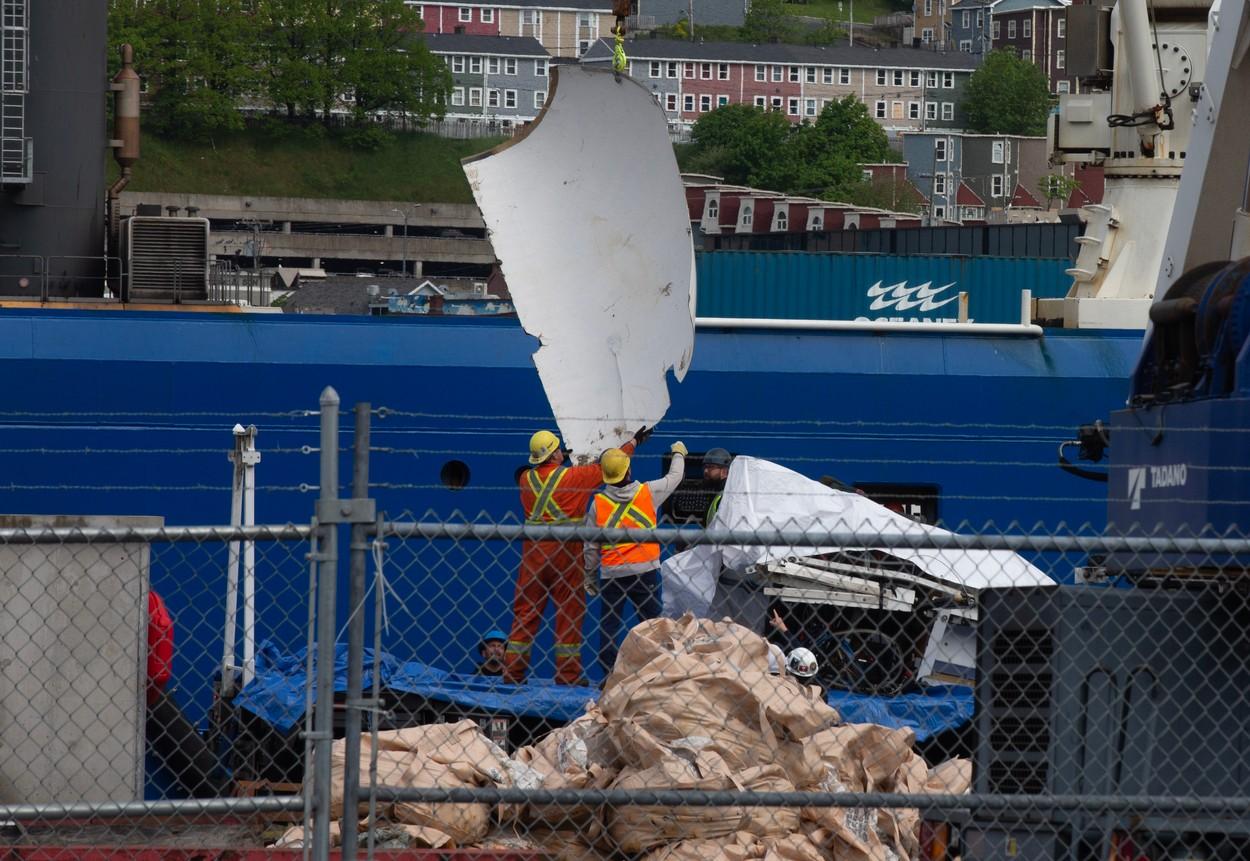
(160, 644)
(576, 488)
(552, 570)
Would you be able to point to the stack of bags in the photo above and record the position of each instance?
(690, 705)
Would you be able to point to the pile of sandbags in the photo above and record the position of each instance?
(690, 705)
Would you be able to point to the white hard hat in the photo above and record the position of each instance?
(776, 659)
(802, 663)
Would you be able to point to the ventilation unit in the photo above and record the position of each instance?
(15, 147)
(166, 259)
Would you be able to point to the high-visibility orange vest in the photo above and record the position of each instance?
(638, 513)
(545, 510)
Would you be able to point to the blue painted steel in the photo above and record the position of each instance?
(130, 413)
(871, 287)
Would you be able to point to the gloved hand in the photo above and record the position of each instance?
(642, 435)
(679, 447)
(591, 582)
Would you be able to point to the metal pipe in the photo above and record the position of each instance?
(356, 635)
(919, 537)
(327, 571)
(230, 635)
(249, 558)
(148, 535)
(119, 809)
(1012, 329)
(1143, 65)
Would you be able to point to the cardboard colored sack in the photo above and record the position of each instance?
(741, 846)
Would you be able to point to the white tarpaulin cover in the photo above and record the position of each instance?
(762, 495)
(588, 217)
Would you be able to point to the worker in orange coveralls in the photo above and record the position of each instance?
(552, 493)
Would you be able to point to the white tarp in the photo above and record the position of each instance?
(762, 495)
(588, 218)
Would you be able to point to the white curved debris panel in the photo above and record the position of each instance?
(588, 217)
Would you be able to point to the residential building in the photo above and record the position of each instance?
(565, 28)
(932, 23)
(973, 178)
(904, 88)
(658, 13)
(971, 26)
(1036, 31)
(719, 209)
(892, 178)
(498, 79)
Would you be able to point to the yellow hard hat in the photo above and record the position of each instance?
(614, 463)
(542, 445)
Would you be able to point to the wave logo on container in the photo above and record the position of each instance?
(900, 297)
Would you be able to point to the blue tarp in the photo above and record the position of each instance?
(276, 694)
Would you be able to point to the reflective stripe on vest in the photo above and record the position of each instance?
(545, 510)
(637, 513)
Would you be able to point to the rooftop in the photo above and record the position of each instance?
(464, 43)
(1021, 5)
(815, 55)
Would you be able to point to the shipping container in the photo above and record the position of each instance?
(810, 286)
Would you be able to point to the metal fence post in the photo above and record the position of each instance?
(323, 725)
(356, 634)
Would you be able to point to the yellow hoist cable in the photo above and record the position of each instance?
(619, 61)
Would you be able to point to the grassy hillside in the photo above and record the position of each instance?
(410, 166)
(840, 10)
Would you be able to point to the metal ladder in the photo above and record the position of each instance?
(15, 147)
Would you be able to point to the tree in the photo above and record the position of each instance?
(1007, 96)
(847, 128)
(767, 22)
(1056, 186)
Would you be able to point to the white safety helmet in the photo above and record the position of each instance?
(776, 659)
(802, 664)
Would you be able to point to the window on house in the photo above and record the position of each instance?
(948, 111)
(670, 69)
(913, 110)
(777, 72)
(1061, 28)
(1060, 58)
(931, 80)
(475, 65)
(655, 69)
(996, 152)
(705, 71)
(896, 111)
(531, 22)
(746, 215)
(898, 78)
(466, 14)
(996, 29)
(996, 186)
(939, 213)
(809, 107)
(540, 99)
(913, 79)
(966, 19)
(1063, 87)
(980, 19)
(509, 98)
(761, 73)
(926, 35)
(939, 183)
(783, 220)
(492, 65)
(928, 7)
(688, 70)
(930, 110)
(585, 21)
(705, 104)
(670, 102)
(721, 101)
(713, 208)
(970, 212)
(475, 97)
(761, 102)
(810, 75)
(824, 103)
(777, 103)
(492, 98)
(865, 175)
(1011, 29)
(793, 107)
(1026, 28)
(687, 102)
(939, 149)
(948, 80)
(826, 75)
(844, 76)
(880, 77)
(965, 45)
(818, 223)
(457, 64)
(722, 72)
(540, 69)
(880, 110)
(509, 66)
(457, 96)
(1026, 55)
(488, 16)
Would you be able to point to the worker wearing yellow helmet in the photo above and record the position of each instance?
(552, 494)
(627, 572)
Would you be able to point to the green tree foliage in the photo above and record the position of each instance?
(768, 22)
(749, 146)
(1056, 186)
(202, 60)
(1007, 96)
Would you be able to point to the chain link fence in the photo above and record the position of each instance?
(811, 676)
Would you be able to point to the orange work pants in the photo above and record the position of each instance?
(549, 569)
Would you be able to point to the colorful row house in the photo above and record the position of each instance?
(565, 28)
(498, 79)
